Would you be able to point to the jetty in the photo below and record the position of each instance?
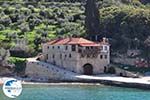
(141, 83)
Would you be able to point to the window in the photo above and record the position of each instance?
(88, 56)
(53, 56)
(69, 55)
(60, 56)
(105, 47)
(65, 56)
(87, 47)
(53, 47)
(46, 56)
(79, 50)
(105, 56)
(47, 47)
(66, 48)
(58, 47)
(73, 47)
(101, 56)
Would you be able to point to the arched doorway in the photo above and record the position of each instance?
(88, 69)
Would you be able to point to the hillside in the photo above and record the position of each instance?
(31, 22)
(36, 22)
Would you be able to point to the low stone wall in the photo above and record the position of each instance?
(46, 72)
(126, 61)
(124, 72)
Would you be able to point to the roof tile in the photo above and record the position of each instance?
(70, 41)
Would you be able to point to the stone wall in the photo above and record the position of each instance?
(97, 63)
(126, 61)
(124, 72)
(44, 71)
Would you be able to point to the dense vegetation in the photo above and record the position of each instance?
(125, 22)
(38, 23)
(20, 64)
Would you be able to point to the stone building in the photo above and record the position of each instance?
(78, 55)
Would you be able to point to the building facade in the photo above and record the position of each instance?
(78, 55)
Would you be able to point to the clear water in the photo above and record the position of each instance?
(37, 92)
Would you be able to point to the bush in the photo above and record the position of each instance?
(20, 64)
(2, 27)
(111, 70)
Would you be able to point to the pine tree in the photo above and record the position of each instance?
(92, 22)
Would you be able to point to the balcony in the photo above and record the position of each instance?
(89, 52)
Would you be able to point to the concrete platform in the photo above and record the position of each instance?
(141, 83)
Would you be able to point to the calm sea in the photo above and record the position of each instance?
(37, 92)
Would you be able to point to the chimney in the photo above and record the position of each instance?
(96, 38)
(70, 37)
(105, 40)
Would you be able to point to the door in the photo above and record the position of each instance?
(88, 69)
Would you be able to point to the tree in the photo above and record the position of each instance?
(147, 50)
(37, 42)
(92, 22)
(111, 70)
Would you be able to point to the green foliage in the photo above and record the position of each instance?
(124, 24)
(119, 20)
(19, 64)
(111, 70)
(45, 20)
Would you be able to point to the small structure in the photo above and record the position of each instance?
(78, 55)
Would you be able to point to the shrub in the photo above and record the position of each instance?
(20, 64)
(111, 70)
(2, 27)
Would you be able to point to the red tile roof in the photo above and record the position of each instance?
(70, 41)
(90, 44)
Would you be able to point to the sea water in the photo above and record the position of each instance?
(78, 92)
